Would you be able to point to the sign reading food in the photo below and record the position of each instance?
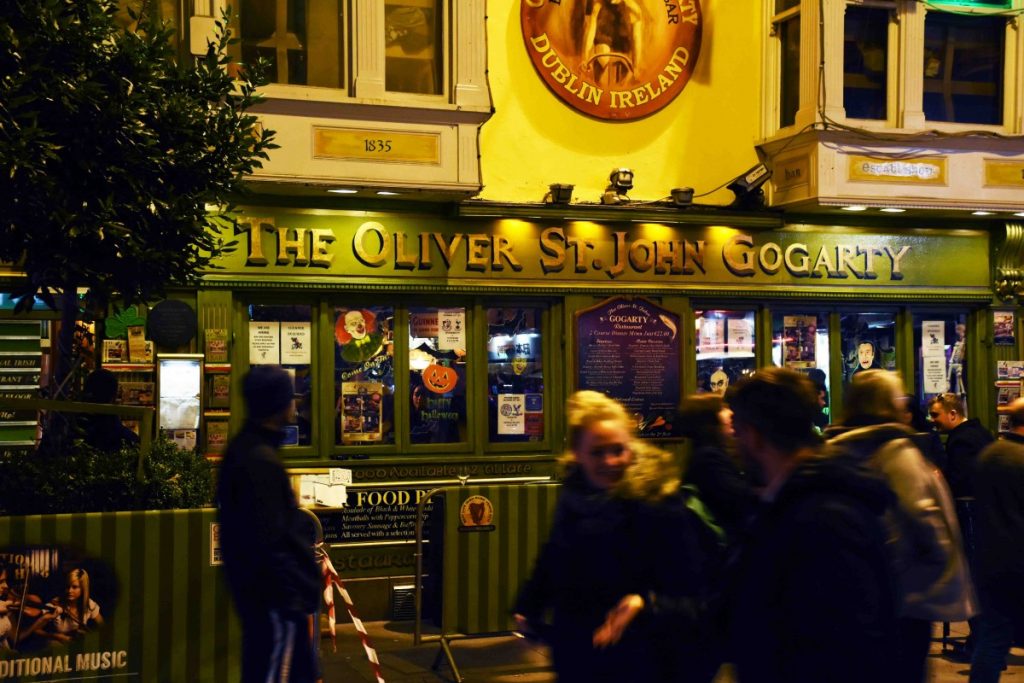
(613, 59)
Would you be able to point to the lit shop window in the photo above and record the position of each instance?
(786, 29)
(515, 378)
(303, 41)
(364, 375)
(941, 358)
(800, 342)
(725, 348)
(437, 375)
(283, 335)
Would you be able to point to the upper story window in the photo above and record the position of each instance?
(786, 28)
(905, 64)
(413, 54)
(303, 41)
(963, 68)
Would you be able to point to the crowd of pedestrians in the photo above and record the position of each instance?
(795, 555)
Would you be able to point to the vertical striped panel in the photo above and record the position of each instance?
(173, 615)
(483, 570)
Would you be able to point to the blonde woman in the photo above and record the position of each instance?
(605, 545)
(77, 610)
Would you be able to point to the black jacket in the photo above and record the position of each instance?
(600, 549)
(999, 490)
(813, 597)
(963, 444)
(266, 541)
(722, 487)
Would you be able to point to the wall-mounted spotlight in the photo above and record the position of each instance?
(619, 183)
(747, 188)
(559, 193)
(682, 196)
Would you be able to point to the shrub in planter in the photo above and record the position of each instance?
(89, 480)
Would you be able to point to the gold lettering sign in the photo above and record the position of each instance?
(613, 59)
(1004, 173)
(917, 171)
(376, 145)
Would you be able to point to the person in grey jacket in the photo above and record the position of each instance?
(925, 539)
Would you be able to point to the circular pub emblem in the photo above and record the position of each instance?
(613, 59)
(476, 511)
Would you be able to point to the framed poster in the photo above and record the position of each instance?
(629, 349)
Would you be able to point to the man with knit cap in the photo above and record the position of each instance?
(266, 540)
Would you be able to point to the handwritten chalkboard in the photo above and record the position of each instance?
(171, 323)
(629, 350)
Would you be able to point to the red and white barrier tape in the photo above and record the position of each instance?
(333, 580)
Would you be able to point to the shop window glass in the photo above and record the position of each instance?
(800, 341)
(413, 60)
(963, 68)
(364, 375)
(725, 348)
(941, 358)
(437, 375)
(869, 342)
(283, 335)
(515, 377)
(865, 62)
(303, 41)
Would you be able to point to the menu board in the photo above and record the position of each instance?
(629, 350)
(375, 515)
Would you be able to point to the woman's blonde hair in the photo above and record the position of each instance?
(82, 577)
(583, 410)
(654, 474)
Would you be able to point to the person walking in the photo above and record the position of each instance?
(965, 438)
(999, 561)
(812, 597)
(924, 535)
(268, 559)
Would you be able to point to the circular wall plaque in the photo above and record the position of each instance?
(171, 323)
(613, 59)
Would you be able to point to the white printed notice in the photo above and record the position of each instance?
(264, 343)
(933, 339)
(511, 414)
(295, 341)
(740, 339)
(934, 374)
(452, 332)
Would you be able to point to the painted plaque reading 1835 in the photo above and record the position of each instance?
(613, 59)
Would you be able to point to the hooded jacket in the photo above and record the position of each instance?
(924, 536)
(813, 597)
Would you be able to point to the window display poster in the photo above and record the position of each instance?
(452, 333)
(1002, 322)
(629, 349)
(712, 335)
(1009, 369)
(1007, 392)
(740, 338)
(933, 338)
(264, 343)
(511, 414)
(296, 339)
(934, 372)
(360, 412)
(798, 340)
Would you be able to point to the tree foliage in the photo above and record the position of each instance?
(113, 151)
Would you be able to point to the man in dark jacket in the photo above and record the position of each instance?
(965, 438)
(813, 598)
(999, 561)
(266, 540)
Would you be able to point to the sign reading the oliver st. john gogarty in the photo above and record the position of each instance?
(629, 349)
(613, 59)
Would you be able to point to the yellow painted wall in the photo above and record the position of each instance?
(704, 138)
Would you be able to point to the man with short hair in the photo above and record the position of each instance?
(268, 560)
(999, 561)
(813, 597)
(964, 441)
